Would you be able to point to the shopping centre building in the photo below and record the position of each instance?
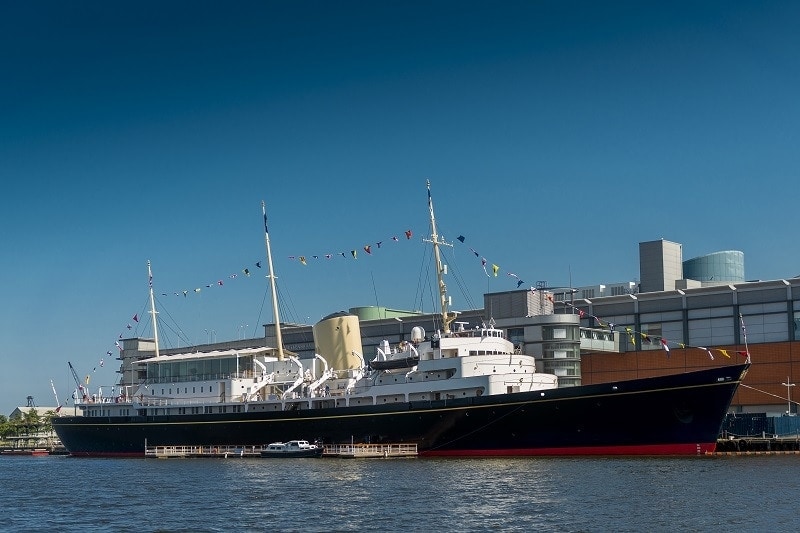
(680, 316)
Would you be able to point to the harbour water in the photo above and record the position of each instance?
(59, 493)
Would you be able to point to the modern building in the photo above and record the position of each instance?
(667, 323)
(718, 268)
(724, 322)
(660, 265)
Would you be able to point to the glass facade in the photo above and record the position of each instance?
(723, 267)
(199, 369)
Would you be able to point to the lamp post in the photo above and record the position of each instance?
(788, 386)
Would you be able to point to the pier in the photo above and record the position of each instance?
(344, 451)
(167, 452)
(366, 451)
(759, 445)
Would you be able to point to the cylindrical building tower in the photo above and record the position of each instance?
(718, 267)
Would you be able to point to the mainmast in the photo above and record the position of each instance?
(153, 306)
(441, 270)
(271, 276)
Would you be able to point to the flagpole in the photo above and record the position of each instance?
(271, 276)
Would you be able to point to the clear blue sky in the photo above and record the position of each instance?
(556, 135)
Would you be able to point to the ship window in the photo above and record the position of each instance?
(193, 390)
(210, 388)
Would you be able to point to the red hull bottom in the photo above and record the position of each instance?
(107, 455)
(702, 448)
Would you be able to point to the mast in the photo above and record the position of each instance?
(271, 276)
(441, 270)
(153, 306)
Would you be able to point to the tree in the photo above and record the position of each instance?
(47, 421)
(31, 421)
(5, 427)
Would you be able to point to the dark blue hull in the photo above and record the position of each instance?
(677, 414)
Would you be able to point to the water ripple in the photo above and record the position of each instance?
(310, 495)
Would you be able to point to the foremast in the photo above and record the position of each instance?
(271, 276)
(447, 316)
(153, 311)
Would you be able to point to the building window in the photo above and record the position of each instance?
(796, 329)
(650, 337)
(516, 335)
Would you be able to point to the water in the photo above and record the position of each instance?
(547, 494)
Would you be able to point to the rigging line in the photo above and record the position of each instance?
(422, 278)
(260, 311)
(375, 290)
(425, 289)
(459, 279)
(456, 273)
(162, 310)
(286, 305)
(145, 316)
(769, 394)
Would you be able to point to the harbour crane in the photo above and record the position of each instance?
(77, 381)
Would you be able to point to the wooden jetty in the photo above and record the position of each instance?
(365, 451)
(345, 451)
(759, 445)
(211, 451)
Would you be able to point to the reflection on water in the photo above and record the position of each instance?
(545, 494)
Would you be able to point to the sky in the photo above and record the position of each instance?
(556, 136)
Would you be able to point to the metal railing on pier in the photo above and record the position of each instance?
(349, 451)
(355, 451)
